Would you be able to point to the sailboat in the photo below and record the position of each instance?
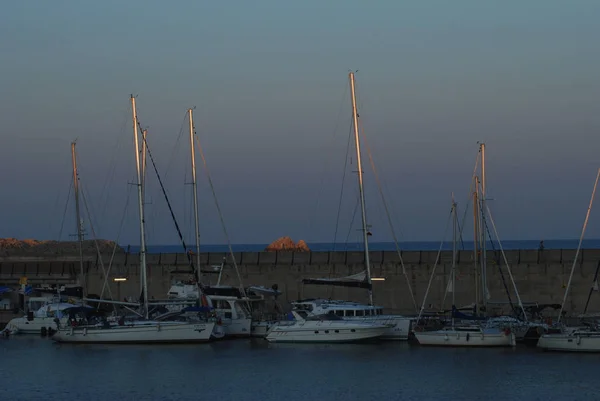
(399, 326)
(43, 311)
(190, 325)
(574, 339)
(230, 304)
(466, 335)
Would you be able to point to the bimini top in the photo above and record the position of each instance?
(358, 280)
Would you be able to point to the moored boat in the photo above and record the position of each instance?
(324, 329)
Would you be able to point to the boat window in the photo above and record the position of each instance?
(349, 313)
(227, 315)
(302, 314)
(380, 311)
(360, 313)
(339, 312)
(221, 304)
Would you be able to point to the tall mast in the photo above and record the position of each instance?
(141, 208)
(476, 241)
(484, 289)
(196, 226)
(454, 229)
(360, 185)
(78, 217)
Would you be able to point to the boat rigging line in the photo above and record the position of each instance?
(98, 253)
(112, 256)
(389, 218)
(337, 219)
(437, 259)
(587, 216)
(328, 159)
(189, 257)
(62, 223)
(214, 194)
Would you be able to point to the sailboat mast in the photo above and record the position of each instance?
(484, 289)
(195, 191)
(141, 208)
(78, 216)
(360, 185)
(454, 229)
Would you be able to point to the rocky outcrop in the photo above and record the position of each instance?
(286, 244)
(13, 246)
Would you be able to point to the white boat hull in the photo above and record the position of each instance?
(151, 332)
(324, 333)
(577, 342)
(20, 325)
(450, 338)
(400, 325)
(260, 329)
(236, 328)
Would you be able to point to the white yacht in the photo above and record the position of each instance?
(228, 302)
(398, 326)
(575, 339)
(467, 336)
(41, 316)
(328, 328)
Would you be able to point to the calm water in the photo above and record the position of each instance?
(37, 369)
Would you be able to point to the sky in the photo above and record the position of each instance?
(269, 83)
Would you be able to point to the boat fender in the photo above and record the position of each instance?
(158, 327)
(578, 340)
(219, 321)
(85, 331)
(507, 331)
(468, 336)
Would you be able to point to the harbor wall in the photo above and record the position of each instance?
(540, 276)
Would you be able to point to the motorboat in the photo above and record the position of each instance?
(328, 328)
(399, 326)
(233, 307)
(40, 318)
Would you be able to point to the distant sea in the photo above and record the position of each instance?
(382, 246)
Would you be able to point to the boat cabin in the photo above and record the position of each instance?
(339, 308)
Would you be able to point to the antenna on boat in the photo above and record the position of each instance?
(141, 209)
(360, 185)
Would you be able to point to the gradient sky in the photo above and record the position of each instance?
(269, 82)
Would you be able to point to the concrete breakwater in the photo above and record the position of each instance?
(540, 276)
